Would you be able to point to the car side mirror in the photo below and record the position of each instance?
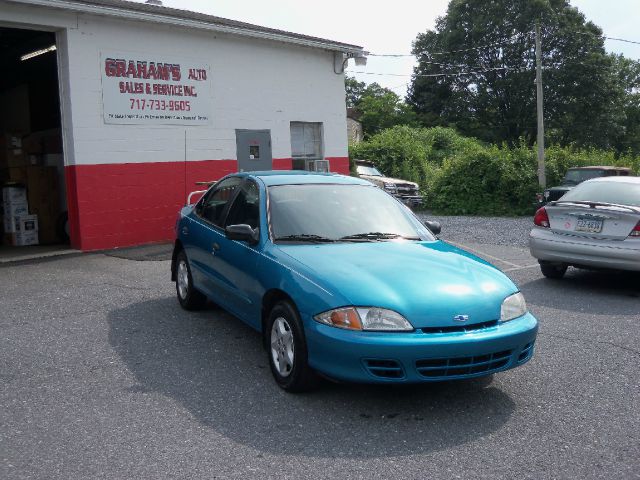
(435, 227)
(242, 232)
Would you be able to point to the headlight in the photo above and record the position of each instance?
(390, 187)
(365, 318)
(513, 306)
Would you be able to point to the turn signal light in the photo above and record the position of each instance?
(636, 231)
(541, 218)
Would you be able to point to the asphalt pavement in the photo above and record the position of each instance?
(102, 375)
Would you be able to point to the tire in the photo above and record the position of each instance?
(188, 296)
(287, 349)
(553, 270)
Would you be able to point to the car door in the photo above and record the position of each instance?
(237, 261)
(203, 236)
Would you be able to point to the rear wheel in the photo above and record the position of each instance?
(188, 296)
(553, 270)
(287, 349)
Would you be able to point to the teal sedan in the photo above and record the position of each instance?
(344, 281)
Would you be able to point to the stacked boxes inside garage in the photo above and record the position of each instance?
(31, 193)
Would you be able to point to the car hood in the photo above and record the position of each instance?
(427, 282)
(395, 181)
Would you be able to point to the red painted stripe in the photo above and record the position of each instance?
(282, 163)
(118, 205)
(127, 204)
(339, 164)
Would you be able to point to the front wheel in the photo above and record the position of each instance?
(553, 270)
(288, 349)
(188, 296)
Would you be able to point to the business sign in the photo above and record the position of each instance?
(139, 90)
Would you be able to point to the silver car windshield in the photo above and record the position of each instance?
(620, 193)
(349, 213)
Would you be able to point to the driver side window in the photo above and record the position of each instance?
(214, 203)
(246, 207)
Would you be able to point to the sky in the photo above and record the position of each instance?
(390, 28)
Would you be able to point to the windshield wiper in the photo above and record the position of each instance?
(597, 204)
(304, 237)
(376, 236)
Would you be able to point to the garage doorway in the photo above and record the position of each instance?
(34, 200)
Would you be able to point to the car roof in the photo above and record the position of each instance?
(632, 180)
(601, 167)
(302, 177)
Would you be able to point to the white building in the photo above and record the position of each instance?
(152, 100)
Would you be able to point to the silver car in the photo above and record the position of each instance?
(595, 225)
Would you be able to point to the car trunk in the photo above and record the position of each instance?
(600, 222)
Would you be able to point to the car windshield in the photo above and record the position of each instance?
(371, 171)
(620, 193)
(579, 176)
(351, 213)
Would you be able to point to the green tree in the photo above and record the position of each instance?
(628, 74)
(488, 51)
(379, 107)
(354, 90)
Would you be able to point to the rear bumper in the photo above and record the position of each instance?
(547, 246)
(394, 357)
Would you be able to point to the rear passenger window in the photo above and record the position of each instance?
(213, 203)
(246, 207)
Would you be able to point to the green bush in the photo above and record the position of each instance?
(460, 175)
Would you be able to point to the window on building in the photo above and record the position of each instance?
(306, 143)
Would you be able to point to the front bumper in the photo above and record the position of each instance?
(410, 200)
(550, 247)
(413, 357)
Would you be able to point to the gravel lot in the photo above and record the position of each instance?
(484, 230)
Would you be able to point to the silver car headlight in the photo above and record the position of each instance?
(512, 307)
(365, 318)
(391, 187)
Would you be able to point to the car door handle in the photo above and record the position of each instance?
(216, 247)
(185, 230)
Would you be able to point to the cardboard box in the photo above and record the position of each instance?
(45, 141)
(26, 223)
(12, 213)
(11, 152)
(14, 194)
(43, 194)
(26, 231)
(22, 239)
(10, 140)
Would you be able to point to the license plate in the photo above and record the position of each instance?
(589, 225)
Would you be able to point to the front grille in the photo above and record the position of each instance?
(407, 190)
(461, 366)
(384, 368)
(460, 328)
(526, 353)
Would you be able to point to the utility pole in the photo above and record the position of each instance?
(542, 177)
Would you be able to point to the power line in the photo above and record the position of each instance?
(447, 74)
(400, 55)
(622, 40)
